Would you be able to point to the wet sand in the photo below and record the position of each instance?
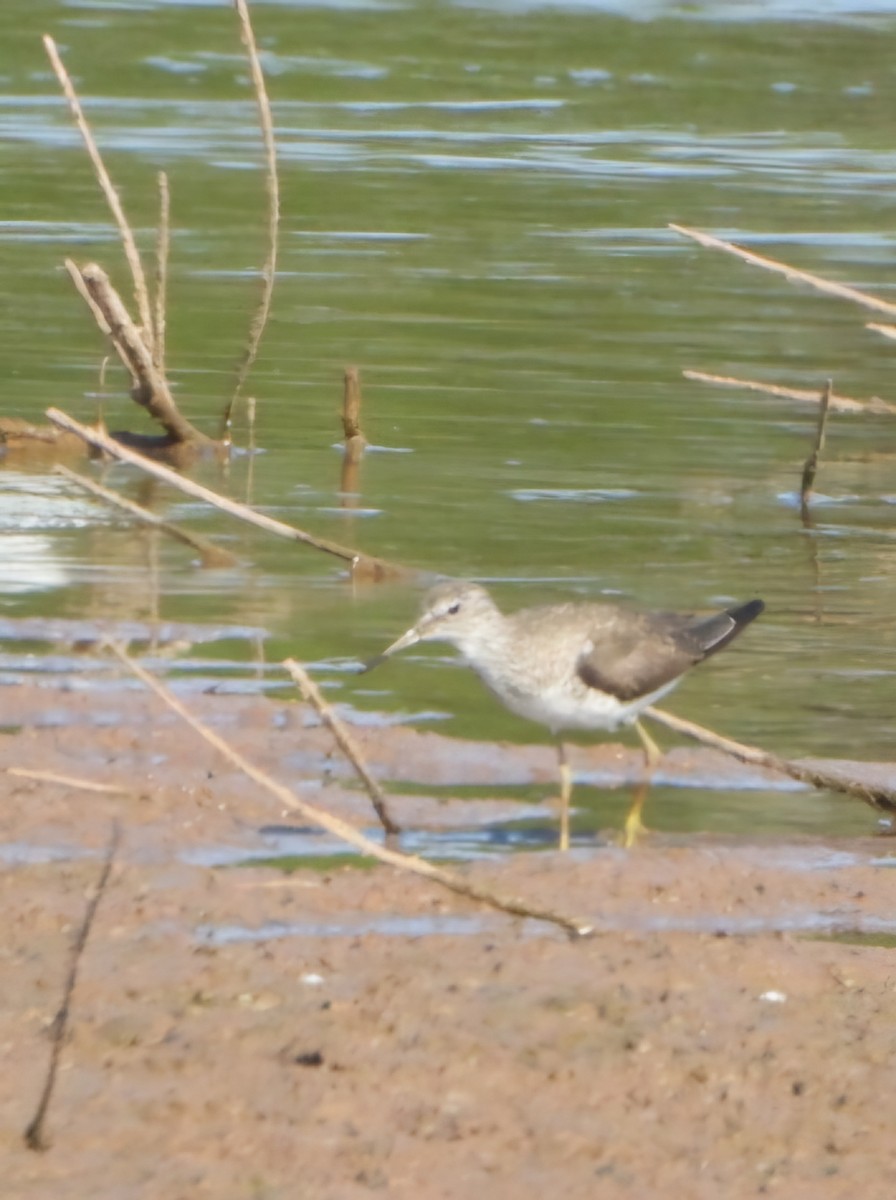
(240, 1032)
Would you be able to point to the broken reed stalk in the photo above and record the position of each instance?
(792, 274)
(347, 833)
(69, 781)
(837, 403)
(151, 389)
(35, 1134)
(141, 292)
(362, 566)
(163, 246)
(345, 742)
(881, 798)
(355, 441)
(210, 554)
(810, 467)
(272, 184)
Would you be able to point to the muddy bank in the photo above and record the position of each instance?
(238, 1032)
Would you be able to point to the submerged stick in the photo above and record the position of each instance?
(881, 798)
(35, 1136)
(347, 833)
(272, 185)
(163, 246)
(810, 467)
(361, 564)
(837, 403)
(345, 742)
(792, 274)
(132, 254)
(210, 554)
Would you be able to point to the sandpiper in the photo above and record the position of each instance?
(574, 666)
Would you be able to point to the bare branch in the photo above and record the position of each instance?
(881, 797)
(361, 564)
(792, 274)
(272, 183)
(348, 833)
(345, 742)
(141, 292)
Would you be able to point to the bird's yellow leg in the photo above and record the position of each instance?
(565, 794)
(634, 826)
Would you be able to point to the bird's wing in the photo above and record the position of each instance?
(633, 655)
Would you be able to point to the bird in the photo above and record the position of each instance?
(580, 665)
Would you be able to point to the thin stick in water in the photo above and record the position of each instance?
(163, 246)
(210, 554)
(345, 742)
(35, 1134)
(881, 797)
(141, 292)
(810, 467)
(792, 274)
(355, 442)
(361, 564)
(838, 403)
(272, 183)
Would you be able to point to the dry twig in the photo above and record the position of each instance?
(163, 245)
(210, 554)
(272, 182)
(141, 292)
(837, 403)
(361, 564)
(35, 1136)
(792, 274)
(344, 741)
(881, 798)
(69, 781)
(347, 833)
(150, 386)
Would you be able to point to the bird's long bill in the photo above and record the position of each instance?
(406, 639)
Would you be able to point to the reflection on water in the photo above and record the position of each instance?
(476, 200)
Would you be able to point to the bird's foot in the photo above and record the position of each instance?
(633, 830)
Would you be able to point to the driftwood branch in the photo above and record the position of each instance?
(837, 403)
(272, 183)
(345, 742)
(35, 1135)
(362, 566)
(347, 833)
(792, 274)
(141, 292)
(150, 386)
(210, 554)
(879, 797)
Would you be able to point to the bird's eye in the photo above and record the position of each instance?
(454, 608)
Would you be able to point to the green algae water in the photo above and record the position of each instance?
(476, 200)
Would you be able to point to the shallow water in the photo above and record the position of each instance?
(475, 210)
